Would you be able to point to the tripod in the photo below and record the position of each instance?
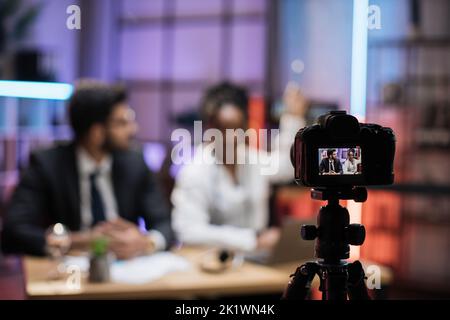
(333, 234)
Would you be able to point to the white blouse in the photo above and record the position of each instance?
(351, 167)
(211, 209)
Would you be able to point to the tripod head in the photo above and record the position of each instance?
(334, 234)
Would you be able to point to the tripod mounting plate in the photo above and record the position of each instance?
(359, 194)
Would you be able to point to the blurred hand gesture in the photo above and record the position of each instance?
(268, 238)
(126, 240)
(294, 100)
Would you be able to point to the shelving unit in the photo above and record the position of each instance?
(181, 49)
(412, 233)
(25, 125)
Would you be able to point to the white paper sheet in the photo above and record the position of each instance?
(148, 268)
(138, 270)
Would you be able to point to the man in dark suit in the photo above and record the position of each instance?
(96, 185)
(330, 165)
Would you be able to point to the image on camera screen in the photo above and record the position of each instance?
(340, 161)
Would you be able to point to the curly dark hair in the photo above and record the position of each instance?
(219, 95)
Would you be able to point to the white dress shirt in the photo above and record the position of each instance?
(103, 180)
(332, 166)
(351, 167)
(212, 209)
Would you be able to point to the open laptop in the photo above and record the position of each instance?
(289, 248)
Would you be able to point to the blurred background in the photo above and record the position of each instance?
(167, 52)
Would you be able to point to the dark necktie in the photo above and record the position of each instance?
(98, 211)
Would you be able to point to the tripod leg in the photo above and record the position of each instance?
(357, 289)
(300, 283)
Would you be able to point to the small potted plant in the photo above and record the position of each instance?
(99, 261)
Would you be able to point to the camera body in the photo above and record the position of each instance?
(341, 152)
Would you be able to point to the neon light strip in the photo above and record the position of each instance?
(359, 58)
(35, 90)
(358, 89)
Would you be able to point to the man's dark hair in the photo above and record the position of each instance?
(92, 102)
(222, 94)
(330, 152)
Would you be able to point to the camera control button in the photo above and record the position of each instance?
(356, 234)
(308, 232)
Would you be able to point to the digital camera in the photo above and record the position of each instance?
(341, 152)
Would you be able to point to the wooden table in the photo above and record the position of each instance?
(249, 279)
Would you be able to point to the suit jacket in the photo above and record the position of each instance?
(325, 166)
(49, 192)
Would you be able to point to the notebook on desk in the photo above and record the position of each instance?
(289, 248)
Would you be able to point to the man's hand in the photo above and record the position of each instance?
(268, 238)
(126, 241)
(82, 240)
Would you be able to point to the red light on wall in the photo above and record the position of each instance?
(381, 217)
(256, 117)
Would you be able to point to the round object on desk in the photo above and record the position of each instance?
(220, 260)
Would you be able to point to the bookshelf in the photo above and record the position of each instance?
(408, 223)
(170, 51)
(32, 115)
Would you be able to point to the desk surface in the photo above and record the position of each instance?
(245, 280)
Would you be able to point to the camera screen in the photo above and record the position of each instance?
(340, 161)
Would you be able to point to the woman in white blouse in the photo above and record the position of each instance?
(351, 163)
(226, 205)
